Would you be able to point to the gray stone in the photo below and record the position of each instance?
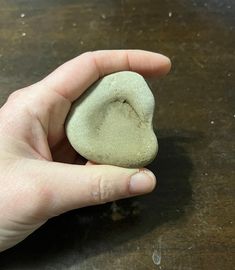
(111, 123)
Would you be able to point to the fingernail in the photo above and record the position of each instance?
(142, 182)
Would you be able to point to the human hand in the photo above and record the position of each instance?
(41, 175)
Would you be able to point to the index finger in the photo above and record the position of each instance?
(72, 78)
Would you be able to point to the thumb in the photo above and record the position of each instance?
(75, 186)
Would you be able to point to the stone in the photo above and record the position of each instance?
(111, 123)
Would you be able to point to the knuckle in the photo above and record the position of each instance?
(88, 53)
(15, 95)
(101, 190)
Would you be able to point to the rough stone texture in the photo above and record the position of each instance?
(112, 122)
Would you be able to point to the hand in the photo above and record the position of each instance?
(40, 172)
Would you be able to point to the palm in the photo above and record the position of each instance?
(51, 142)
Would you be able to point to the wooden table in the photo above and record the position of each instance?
(188, 222)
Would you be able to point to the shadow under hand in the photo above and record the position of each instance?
(173, 169)
(86, 232)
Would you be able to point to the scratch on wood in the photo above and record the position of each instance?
(157, 253)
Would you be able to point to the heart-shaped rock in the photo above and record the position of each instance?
(111, 123)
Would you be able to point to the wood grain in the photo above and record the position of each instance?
(188, 222)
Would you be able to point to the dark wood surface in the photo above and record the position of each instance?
(188, 222)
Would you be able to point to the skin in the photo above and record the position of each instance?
(41, 175)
